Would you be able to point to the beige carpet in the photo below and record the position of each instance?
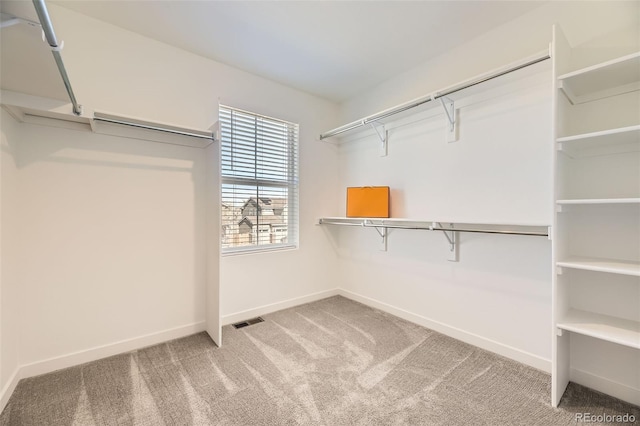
(332, 362)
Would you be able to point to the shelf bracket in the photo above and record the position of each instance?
(448, 106)
(382, 231)
(383, 136)
(452, 238)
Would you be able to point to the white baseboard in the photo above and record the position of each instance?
(605, 385)
(93, 354)
(266, 309)
(473, 339)
(8, 389)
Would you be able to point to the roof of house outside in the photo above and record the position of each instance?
(264, 220)
(266, 202)
(233, 217)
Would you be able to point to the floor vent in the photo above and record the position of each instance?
(248, 322)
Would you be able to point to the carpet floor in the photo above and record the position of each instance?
(331, 362)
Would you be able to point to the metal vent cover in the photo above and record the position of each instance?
(248, 322)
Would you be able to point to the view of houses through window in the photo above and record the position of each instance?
(259, 181)
(257, 219)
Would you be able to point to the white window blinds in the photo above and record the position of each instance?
(259, 176)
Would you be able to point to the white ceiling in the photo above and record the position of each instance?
(333, 49)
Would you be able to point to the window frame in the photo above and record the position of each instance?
(291, 184)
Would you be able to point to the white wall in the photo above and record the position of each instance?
(9, 280)
(499, 295)
(114, 242)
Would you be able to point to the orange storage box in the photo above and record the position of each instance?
(368, 201)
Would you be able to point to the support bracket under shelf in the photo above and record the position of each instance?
(449, 108)
(382, 231)
(452, 237)
(383, 136)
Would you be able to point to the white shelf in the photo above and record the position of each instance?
(448, 228)
(618, 140)
(489, 80)
(604, 327)
(601, 201)
(437, 225)
(51, 112)
(613, 266)
(614, 77)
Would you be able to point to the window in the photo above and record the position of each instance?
(259, 175)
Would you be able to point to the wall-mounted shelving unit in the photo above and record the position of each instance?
(596, 203)
(597, 198)
(444, 98)
(610, 78)
(449, 229)
(54, 113)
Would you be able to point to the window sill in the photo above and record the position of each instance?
(261, 250)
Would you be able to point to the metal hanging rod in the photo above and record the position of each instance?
(541, 231)
(149, 126)
(432, 97)
(494, 231)
(47, 29)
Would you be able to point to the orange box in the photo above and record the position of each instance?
(368, 201)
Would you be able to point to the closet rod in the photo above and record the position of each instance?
(158, 129)
(429, 98)
(492, 231)
(47, 29)
(436, 228)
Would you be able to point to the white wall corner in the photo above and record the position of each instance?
(602, 384)
(7, 390)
